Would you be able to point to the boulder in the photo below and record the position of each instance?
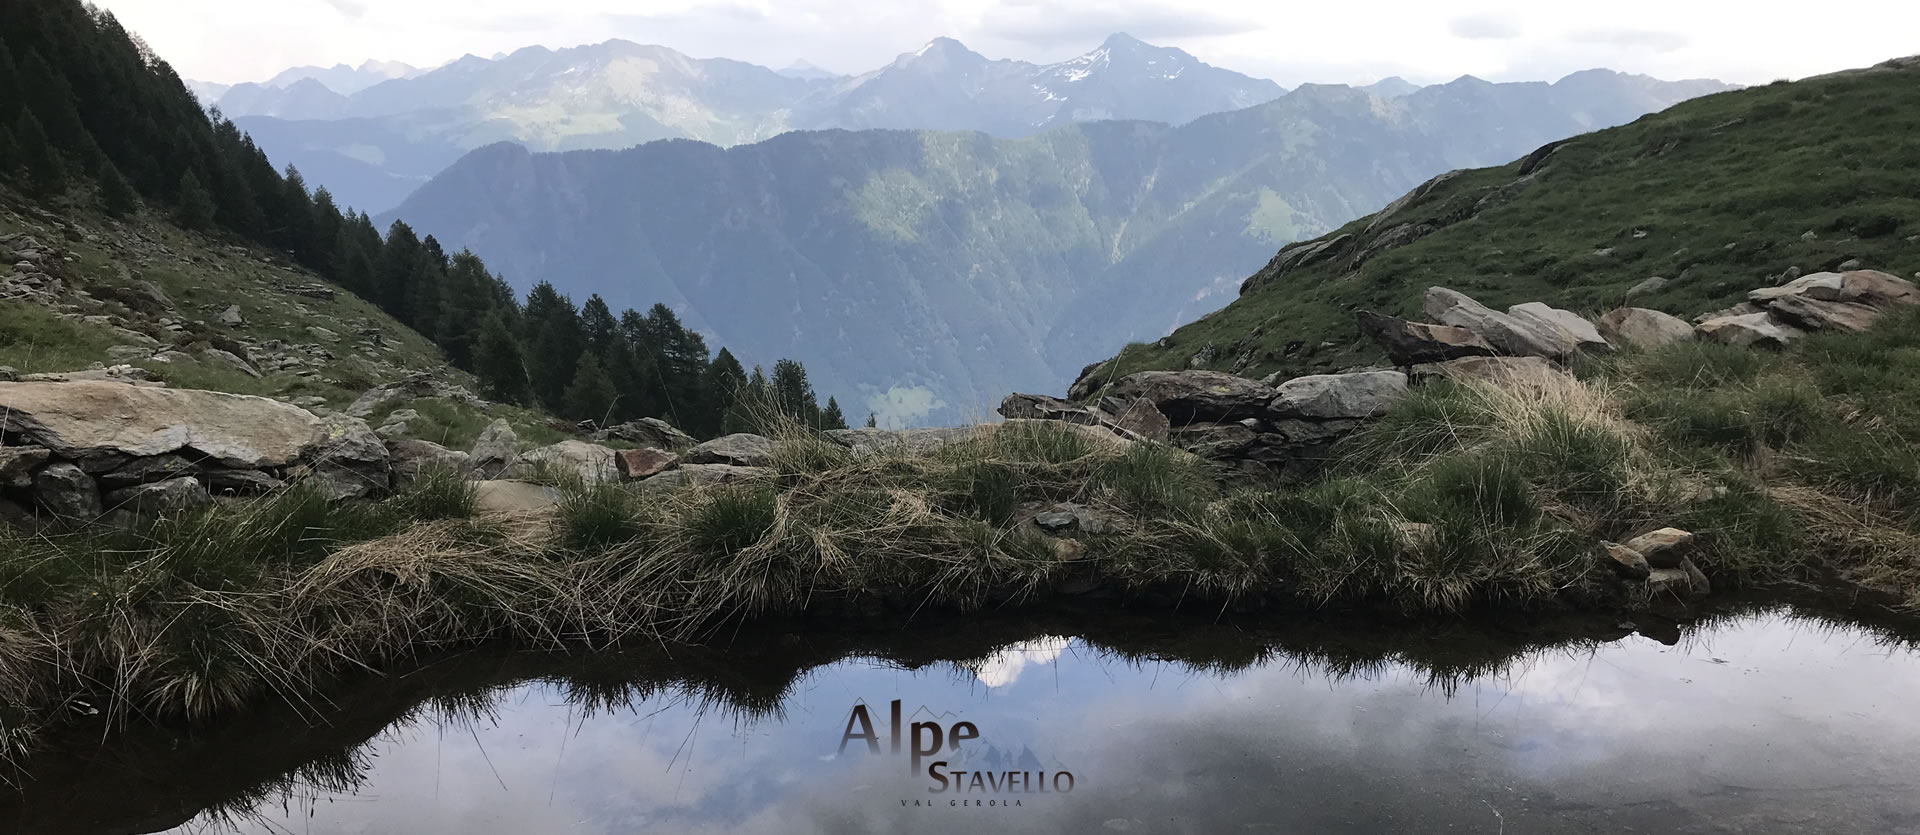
(170, 496)
(79, 420)
(1507, 334)
(1647, 288)
(17, 464)
(1813, 314)
(1138, 419)
(1826, 287)
(1339, 396)
(1586, 337)
(740, 449)
(1760, 329)
(1042, 407)
(410, 458)
(865, 443)
(1196, 396)
(705, 475)
(649, 432)
(348, 460)
(144, 470)
(231, 317)
(1877, 288)
(1625, 561)
(1413, 343)
(147, 297)
(1643, 328)
(591, 463)
(1670, 583)
(495, 450)
(1501, 371)
(67, 491)
(1133, 418)
(643, 462)
(1216, 441)
(1664, 548)
(418, 385)
(230, 360)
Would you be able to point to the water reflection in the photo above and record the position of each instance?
(1761, 721)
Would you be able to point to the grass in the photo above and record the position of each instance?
(1717, 194)
(34, 339)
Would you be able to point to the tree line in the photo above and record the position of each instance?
(82, 100)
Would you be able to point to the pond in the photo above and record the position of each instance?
(1760, 721)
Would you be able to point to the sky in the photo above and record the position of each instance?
(1289, 42)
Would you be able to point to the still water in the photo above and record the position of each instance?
(1764, 721)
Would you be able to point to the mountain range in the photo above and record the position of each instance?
(934, 271)
(374, 133)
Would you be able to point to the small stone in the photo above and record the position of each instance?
(1625, 561)
(1648, 287)
(1056, 521)
(1850, 264)
(1664, 548)
(231, 317)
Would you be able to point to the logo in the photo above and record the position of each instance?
(998, 779)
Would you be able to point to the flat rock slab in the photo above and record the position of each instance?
(1196, 396)
(1814, 314)
(591, 463)
(706, 475)
(502, 496)
(1749, 329)
(1510, 335)
(1640, 327)
(1586, 337)
(1416, 343)
(644, 462)
(88, 419)
(740, 449)
(1339, 396)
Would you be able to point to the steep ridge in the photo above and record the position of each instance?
(1683, 211)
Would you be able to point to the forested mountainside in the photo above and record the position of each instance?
(933, 272)
(111, 171)
(1684, 211)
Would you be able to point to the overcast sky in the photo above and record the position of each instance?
(1289, 42)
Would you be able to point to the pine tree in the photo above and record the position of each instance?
(297, 230)
(590, 396)
(793, 394)
(551, 327)
(601, 329)
(116, 194)
(498, 364)
(46, 172)
(196, 206)
(10, 157)
(831, 418)
(873, 421)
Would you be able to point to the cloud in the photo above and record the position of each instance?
(353, 9)
(1647, 39)
(1081, 24)
(724, 13)
(1483, 27)
(901, 406)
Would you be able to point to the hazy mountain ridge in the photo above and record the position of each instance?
(935, 271)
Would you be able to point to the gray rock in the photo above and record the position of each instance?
(1647, 288)
(705, 475)
(1643, 328)
(231, 317)
(1196, 396)
(411, 458)
(1585, 336)
(230, 360)
(1877, 288)
(1414, 343)
(1826, 287)
(144, 470)
(1135, 418)
(128, 353)
(649, 432)
(87, 418)
(321, 333)
(64, 490)
(418, 385)
(1850, 264)
(495, 450)
(740, 449)
(1625, 561)
(17, 464)
(866, 443)
(591, 463)
(348, 460)
(1056, 521)
(513, 497)
(149, 296)
(1507, 334)
(1812, 314)
(1502, 371)
(1339, 396)
(643, 462)
(1664, 548)
(1760, 329)
(1669, 583)
(170, 496)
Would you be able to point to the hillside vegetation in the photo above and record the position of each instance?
(1717, 196)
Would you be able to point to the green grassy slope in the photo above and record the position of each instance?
(1717, 195)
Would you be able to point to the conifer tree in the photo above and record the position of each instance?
(830, 417)
(116, 194)
(10, 157)
(497, 362)
(196, 206)
(590, 396)
(873, 421)
(46, 172)
(793, 394)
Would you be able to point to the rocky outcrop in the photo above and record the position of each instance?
(1642, 328)
(591, 463)
(67, 491)
(1846, 301)
(347, 460)
(1749, 330)
(494, 451)
(740, 449)
(1813, 314)
(94, 420)
(1339, 396)
(1134, 419)
(415, 386)
(705, 475)
(1501, 371)
(1586, 337)
(1196, 396)
(1511, 335)
(648, 432)
(866, 443)
(1414, 343)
